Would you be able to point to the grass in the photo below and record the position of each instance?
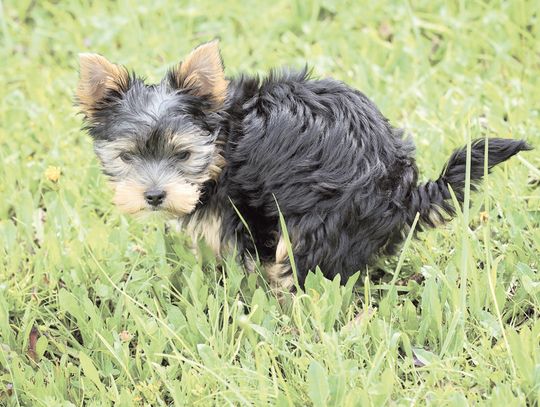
(92, 312)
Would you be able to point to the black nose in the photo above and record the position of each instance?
(154, 197)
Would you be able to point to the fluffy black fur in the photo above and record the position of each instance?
(344, 178)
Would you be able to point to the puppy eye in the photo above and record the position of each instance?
(126, 157)
(183, 155)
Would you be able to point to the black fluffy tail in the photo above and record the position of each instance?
(433, 200)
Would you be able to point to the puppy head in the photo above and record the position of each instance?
(155, 142)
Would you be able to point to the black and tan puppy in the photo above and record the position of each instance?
(200, 147)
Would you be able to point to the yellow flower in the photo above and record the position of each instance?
(484, 217)
(52, 173)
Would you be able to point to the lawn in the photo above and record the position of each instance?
(97, 309)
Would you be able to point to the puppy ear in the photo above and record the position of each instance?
(97, 76)
(202, 74)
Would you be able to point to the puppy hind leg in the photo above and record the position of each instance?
(281, 278)
(280, 274)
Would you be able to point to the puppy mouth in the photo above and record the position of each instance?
(155, 209)
(167, 210)
(164, 208)
(171, 211)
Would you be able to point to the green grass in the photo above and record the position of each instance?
(92, 312)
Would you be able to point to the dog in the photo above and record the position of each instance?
(225, 157)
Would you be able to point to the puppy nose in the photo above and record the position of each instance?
(154, 197)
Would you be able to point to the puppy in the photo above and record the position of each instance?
(205, 149)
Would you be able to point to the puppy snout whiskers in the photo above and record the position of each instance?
(155, 197)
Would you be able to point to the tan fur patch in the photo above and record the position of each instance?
(280, 274)
(216, 166)
(206, 226)
(281, 251)
(182, 197)
(280, 278)
(202, 71)
(186, 140)
(97, 75)
(129, 196)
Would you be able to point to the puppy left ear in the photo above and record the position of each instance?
(97, 77)
(201, 73)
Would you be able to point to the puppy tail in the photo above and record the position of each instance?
(433, 200)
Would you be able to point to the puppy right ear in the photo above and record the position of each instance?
(97, 77)
(201, 73)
